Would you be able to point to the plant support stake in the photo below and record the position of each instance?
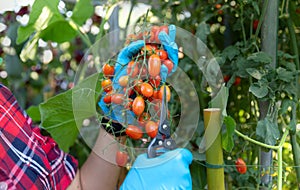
(214, 153)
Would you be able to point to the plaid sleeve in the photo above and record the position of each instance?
(29, 160)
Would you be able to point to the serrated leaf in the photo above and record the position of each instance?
(254, 73)
(260, 57)
(267, 131)
(284, 75)
(227, 137)
(59, 31)
(62, 115)
(82, 11)
(230, 52)
(258, 91)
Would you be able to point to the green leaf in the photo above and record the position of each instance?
(230, 52)
(34, 113)
(62, 116)
(267, 131)
(59, 31)
(284, 75)
(260, 57)
(255, 73)
(82, 11)
(227, 137)
(42, 14)
(13, 66)
(220, 100)
(198, 174)
(258, 90)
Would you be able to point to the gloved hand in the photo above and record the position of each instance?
(169, 171)
(168, 42)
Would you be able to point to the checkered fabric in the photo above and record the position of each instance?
(29, 160)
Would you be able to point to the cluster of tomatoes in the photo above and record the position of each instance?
(141, 89)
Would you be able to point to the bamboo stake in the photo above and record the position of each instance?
(214, 153)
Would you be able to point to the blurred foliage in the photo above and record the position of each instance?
(40, 55)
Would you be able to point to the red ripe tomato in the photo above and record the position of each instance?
(128, 105)
(146, 89)
(218, 6)
(164, 28)
(226, 78)
(134, 132)
(123, 80)
(154, 65)
(148, 49)
(163, 55)
(161, 92)
(155, 81)
(117, 98)
(108, 70)
(169, 64)
(154, 33)
(106, 85)
(237, 81)
(155, 94)
(255, 24)
(107, 97)
(121, 158)
(138, 105)
(151, 128)
(143, 118)
(132, 69)
(241, 166)
(137, 85)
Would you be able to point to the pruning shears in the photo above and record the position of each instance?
(162, 141)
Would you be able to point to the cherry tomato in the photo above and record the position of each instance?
(161, 28)
(117, 98)
(161, 92)
(218, 6)
(241, 166)
(169, 64)
(107, 97)
(155, 81)
(106, 85)
(163, 55)
(155, 94)
(108, 70)
(146, 89)
(121, 158)
(128, 105)
(143, 118)
(154, 33)
(130, 91)
(154, 65)
(134, 132)
(255, 24)
(144, 73)
(237, 81)
(226, 78)
(137, 85)
(151, 128)
(148, 49)
(123, 80)
(132, 69)
(138, 105)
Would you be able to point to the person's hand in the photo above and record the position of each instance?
(169, 171)
(168, 42)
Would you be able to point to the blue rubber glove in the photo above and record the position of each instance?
(168, 42)
(169, 171)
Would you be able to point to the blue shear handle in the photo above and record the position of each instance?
(160, 173)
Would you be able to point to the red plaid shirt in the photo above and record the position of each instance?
(29, 160)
